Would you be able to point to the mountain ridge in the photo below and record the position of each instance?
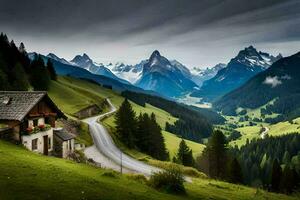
(280, 81)
(161, 76)
(240, 69)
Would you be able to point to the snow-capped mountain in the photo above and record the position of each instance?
(130, 73)
(240, 69)
(165, 78)
(200, 75)
(55, 57)
(84, 61)
(184, 70)
(280, 81)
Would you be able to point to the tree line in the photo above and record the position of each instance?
(191, 123)
(217, 162)
(142, 132)
(17, 72)
(272, 163)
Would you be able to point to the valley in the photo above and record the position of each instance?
(153, 130)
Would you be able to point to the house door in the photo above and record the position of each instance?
(46, 145)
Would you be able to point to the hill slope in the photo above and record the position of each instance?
(71, 95)
(280, 81)
(26, 175)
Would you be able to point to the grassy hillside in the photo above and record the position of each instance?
(281, 128)
(172, 143)
(26, 175)
(285, 127)
(71, 95)
(71, 99)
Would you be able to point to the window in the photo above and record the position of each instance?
(34, 144)
(49, 143)
(35, 122)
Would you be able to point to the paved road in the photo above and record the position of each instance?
(106, 153)
(265, 132)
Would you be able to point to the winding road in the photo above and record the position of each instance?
(106, 153)
(264, 133)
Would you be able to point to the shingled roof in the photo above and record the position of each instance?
(63, 134)
(15, 105)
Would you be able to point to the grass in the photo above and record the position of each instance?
(284, 127)
(70, 98)
(71, 95)
(281, 128)
(248, 132)
(74, 94)
(26, 175)
(172, 144)
(84, 136)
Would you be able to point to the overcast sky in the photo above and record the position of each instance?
(197, 33)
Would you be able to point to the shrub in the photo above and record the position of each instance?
(137, 177)
(111, 174)
(170, 180)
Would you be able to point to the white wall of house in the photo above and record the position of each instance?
(67, 148)
(27, 140)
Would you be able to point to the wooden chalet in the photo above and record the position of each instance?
(29, 118)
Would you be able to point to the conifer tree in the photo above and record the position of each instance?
(21, 80)
(51, 70)
(39, 76)
(217, 156)
(149, 138)
(235, 174)
(157, 143)
(126, 124)
(3, 81)
(287, 180)
(276, 176)
(184, 155)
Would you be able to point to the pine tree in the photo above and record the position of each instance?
(217, 154)
(235, 174)
(3, 81)
(276, 176)
(149, 138)
(157, 142)
(184, 155)
(286, 157)
(287, 180)
(39, 76)
(21, 80)
(51, 70)
(126, 124)
(143, 137)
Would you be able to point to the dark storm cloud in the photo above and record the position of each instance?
(146, 24)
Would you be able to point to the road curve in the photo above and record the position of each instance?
(264, 133)
(108, 153)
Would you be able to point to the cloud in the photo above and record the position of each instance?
(272, 81)
(196, 32)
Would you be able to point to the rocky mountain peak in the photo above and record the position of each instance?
(155, 54)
